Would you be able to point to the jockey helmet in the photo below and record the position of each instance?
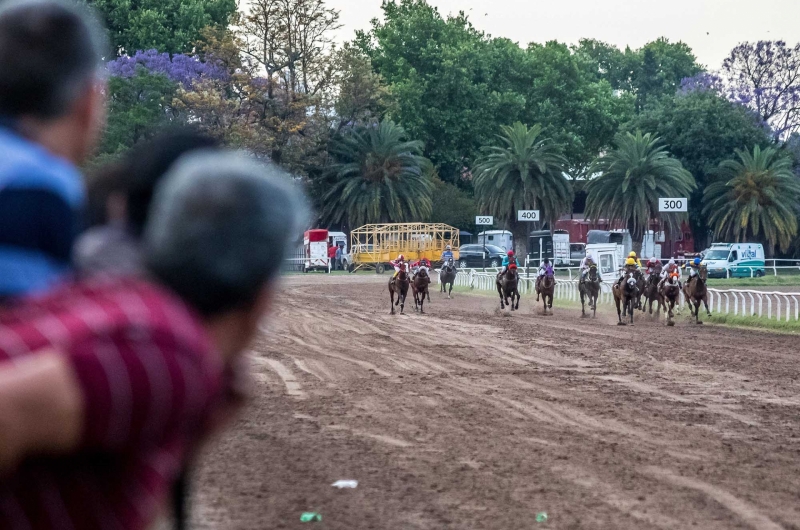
(632, 255)
(510, 253)
(697, 261)
(653, 260)
(672, 261)
(630, 261)
(401, 258)
(547, 261)
(447, 247)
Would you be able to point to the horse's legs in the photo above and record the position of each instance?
(500, 292)
(619, 312)
(450, 294)
(518, 298)
(391, 299)
(705, 303)
(583, 307)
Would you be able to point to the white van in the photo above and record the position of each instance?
(731, 260)
(340, 238)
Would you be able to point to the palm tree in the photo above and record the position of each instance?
(631, 179)
(379, 177)
(755, 197)
(524, 172)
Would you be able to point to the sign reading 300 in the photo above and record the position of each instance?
(680, 204)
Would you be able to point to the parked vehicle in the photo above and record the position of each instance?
(315, 243)
(608, 257)
(500, 238)
(472, 256)
(340, 239)
(733, 260)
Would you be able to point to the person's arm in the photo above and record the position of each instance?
(41, 407)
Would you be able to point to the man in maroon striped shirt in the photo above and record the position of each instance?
(107, 386)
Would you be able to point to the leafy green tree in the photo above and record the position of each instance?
(452, 206)
(755, 197)
(632, 178)
(576, 110)
(138, 106)
(378, 177)
(442, 75)
(524, 172)
(649, 73)
(172, 26)
(702, 129)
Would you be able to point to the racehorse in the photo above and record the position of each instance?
(590, 289)
(399, 285)
(507, 287)
(420, 289)
(546, 288)
(625, 296)
(697, 292)
(640, 283)
(670, 292)
(652, 294)
(447, 275)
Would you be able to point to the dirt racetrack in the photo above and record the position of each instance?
(468, 418)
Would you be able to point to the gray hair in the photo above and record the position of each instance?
(51, 51)
(219, 228)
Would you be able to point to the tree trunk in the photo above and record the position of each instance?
(520, 232)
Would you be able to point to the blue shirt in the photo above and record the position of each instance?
(506, 261)
(41, 200)
(447, 255)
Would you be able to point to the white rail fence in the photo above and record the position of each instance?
(737, 302)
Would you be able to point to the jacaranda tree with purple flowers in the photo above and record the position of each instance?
(180, 68)
(765, 76)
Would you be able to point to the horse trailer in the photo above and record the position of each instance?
(553, 245)
(499, 238)
(315, 243)
(373, 246)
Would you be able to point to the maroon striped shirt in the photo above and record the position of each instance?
(150, 378)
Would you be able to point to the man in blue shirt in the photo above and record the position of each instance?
(447, 255)
(52, 112)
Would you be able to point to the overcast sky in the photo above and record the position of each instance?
(710, 27)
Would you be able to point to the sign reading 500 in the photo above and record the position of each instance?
(680, 204)
(484, 220)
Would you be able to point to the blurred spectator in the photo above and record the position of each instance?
(338, 257)
(332, 256)
(119, 201)
(52, 109)
(114, 382)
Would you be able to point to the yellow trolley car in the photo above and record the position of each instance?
(373, 246)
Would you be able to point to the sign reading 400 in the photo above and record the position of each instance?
(680, 204)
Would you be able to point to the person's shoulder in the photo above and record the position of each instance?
(26, 165)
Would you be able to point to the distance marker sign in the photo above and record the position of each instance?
(673, 205)
(528, 215)
(484, 220)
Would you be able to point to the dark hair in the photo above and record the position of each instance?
(138, 173)
(219, 227)
(50, 51)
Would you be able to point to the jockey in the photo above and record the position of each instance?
(507, 261)
(421, 264)
(693, 268)
(636, 260)
(447, 255)
(544, 268)
(586, 264)
(670, 269)
(630, 266)
(653, 266)
(398, 265)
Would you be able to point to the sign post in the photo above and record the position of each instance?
(484, 220)
(673, 205)
(528, 216)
